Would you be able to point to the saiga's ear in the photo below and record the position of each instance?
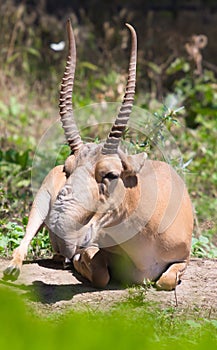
(69, 165)
(132, 164)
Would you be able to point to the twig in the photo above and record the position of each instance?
(176, 299)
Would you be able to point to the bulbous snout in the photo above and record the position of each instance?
(67, 244)
(63, 246)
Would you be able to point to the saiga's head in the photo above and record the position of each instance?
(97, 175)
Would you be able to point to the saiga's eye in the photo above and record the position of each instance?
(111, 176)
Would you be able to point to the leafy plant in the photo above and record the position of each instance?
(203, 248)
(11, 235)
(10, 241)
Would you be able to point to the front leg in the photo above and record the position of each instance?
(91, 263)
(38, 214)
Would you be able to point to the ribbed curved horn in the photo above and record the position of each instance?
(66, 110)
(113, 139)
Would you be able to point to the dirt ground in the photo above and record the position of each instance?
(45, 285)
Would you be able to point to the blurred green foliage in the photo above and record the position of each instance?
(125, 327)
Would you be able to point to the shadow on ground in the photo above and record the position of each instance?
(45, 283)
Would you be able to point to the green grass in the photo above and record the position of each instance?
(127, 326)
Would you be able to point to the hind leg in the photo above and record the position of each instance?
(91, 263)
(172, 276)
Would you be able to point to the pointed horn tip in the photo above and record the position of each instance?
(68, 23)
(69, 29)
(69, 26)
(71, 37)
(132, 29)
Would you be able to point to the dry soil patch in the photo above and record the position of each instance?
(45, 285)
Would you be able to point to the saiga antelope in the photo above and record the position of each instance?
(111, 214)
